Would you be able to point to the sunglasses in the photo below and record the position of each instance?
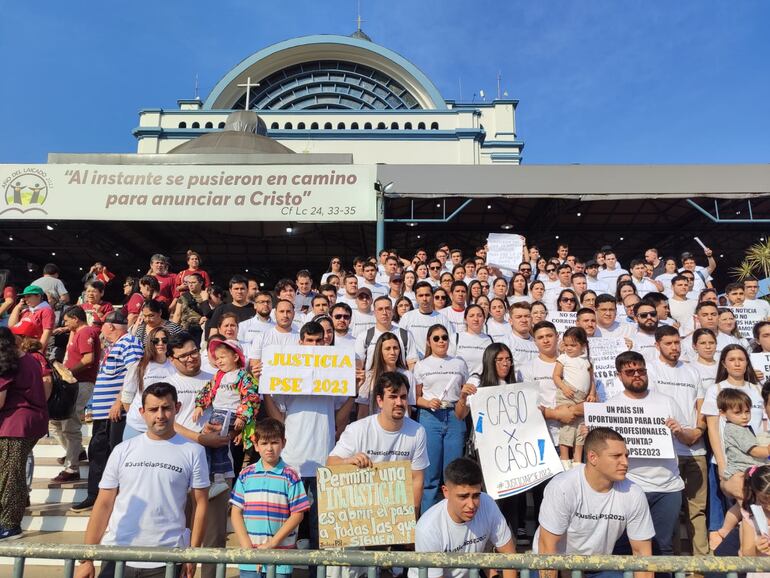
(567, 300)
(550, 270)
(341, 316)
(437, 338)
(157, 340)
(434, 268)
(440, 297)
(364, 297)
(336, 262)
(646, 315)
(633, 372)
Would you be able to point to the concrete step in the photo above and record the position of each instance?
(54, 518)
(45, 492)
(48, 468)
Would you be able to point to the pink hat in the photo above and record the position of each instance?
(27, 328)
(231, 343)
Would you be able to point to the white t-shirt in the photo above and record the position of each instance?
(368, 436)
(498, 331)
(456, 318)
(470, 348)
(270, 337)
(154, 373)
(683, 384)
(644, 286)
(644, 343)
(186, 390)
(590, 522)
(653, 474)
(249, 329)
(366, 353)
(419, 323)
(760, 305)
(437, 532)
(683, 312)
(708, 374)
(365, 390)
(610, 277)
(361, 322)
(523, 350)
(577, 371)
(346, 340)
(376, 289)
(343, 297)
(618, 330)
(665, 280)
(310, 429)
(541, 372)
(709, 406)
(441, 377)
(153, 477)
(597, 286)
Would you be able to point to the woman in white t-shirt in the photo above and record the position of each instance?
(536, 291)
(665, 278)
(728, 328)
(440, 378)
(500, 288)
(518, 290)
(539, 312)
(410, 280)
(704, 343)
(155, 366)
(469, 345)
(335, 268)
(497, 327)
(387, 357)
(734, 370)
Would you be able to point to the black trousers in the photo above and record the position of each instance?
(105, 435)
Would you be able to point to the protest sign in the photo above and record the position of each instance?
(563, 320)
(365, 506)
(643, 427)
(308, 370)
(505, 251)
(514, 445)
(745, 319)
(761, 362)
(603, 351)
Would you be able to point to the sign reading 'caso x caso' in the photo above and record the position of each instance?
(188, 192)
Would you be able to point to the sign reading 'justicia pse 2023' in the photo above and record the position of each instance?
(315, 193)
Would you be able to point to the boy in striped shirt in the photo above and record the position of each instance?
(269, 500)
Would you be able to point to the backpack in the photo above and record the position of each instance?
(403, 333)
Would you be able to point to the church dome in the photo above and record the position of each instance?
(241, 135)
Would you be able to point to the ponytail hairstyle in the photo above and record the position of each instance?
(756, 481)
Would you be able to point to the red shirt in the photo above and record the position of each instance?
(166, 285)
(134, 305)
(84, 340)
(96, 313)
(43, 316)
(180, 280)
(25, 412)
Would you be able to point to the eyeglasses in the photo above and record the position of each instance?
(157, 340)
(440, 297)
(187, 355)
(339, 316)
(567, 300)
(434, 268)
(437, 338)
(646, 315)
(633, 372)
(365, 297)
(525, 270)
(550, 270)
(485, 285)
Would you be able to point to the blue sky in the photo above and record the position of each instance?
(609, 81)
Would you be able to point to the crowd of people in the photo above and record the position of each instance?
(183, 437)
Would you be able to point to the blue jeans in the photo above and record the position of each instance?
(664, 511)
(445, 439)
(718, 504)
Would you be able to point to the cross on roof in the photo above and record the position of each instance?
(248, 85)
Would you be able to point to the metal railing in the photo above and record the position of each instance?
(524, 563)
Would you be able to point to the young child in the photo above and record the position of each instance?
(232, 394)
(268, 500)
(574, 378)
(755, 513)
(742, 450)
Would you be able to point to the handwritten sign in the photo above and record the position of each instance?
(514, 445)
(745, 319)
(365, 506)
(505, 251)
(603, 351)
(563, 320)
(308, 370)
(643, 427)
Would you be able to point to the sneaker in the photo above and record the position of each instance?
(66, 477)
(10, 533)
(84, 506)
(83, 457)
(218, 488)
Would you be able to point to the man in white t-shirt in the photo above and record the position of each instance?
(366, 342)
(659, 478)
(370, 274)
(520, 341)
(144, 489)
(609, 275)
(282, 333)
(646, 316)
(586, 509)
(751, 289)
(310, 422)
(592, 279)
(363, 318)
(419, 320)
(388, 436)
(466, 520)
(261, 322)
(643, 284)
(349, 291)
(682, 308)
(606, 312)
(455, 312)
(682, 382)
(341, 314)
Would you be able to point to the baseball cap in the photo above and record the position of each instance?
(397, 277)
(27, 328)
(591, 263)
(32, 290)
(115, 317)
(231, 343)
(364, 291)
